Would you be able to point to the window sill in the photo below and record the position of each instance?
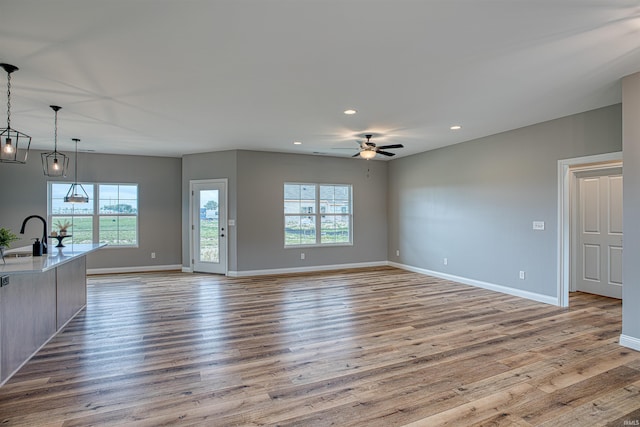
(324, 245)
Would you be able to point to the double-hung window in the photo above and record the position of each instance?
(111, 216)
(318, 214)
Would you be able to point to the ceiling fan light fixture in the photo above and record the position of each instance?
(369, 150)
(368, 154)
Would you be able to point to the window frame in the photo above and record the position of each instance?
(318, 215)
(96, 215)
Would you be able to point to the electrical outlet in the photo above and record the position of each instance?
(522, 275)
(538, 225)
(397, 252)
(153, 255)
(4, 281)
(301, 255)
(445, 261)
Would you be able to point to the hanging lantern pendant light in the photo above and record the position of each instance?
(13, 142)
(76, 193)
(55, 164)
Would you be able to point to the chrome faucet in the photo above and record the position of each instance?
(44, 230)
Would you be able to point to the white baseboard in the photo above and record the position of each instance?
(630, 342)
(309, 269)
(138, 269)
(480, 284)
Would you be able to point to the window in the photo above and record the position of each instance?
(317, 214)
(111, 216)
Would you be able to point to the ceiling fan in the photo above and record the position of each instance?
(368, 149)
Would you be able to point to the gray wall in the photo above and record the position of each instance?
(260, 221)
(24, 192)
(221, 164)
(255, 197)
(631, 171)
(474, 202)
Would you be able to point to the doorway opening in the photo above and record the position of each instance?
(569, 173)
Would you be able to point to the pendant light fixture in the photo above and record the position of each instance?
(55, 163)
(76, 193)
(14, 144)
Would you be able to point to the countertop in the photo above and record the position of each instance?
(38, 264)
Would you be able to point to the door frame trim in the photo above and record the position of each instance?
(192, 182)
(567, 170)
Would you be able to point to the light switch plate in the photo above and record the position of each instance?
(538, 225)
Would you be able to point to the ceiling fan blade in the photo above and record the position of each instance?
(386, 153)
(384, 147)
(356, 155)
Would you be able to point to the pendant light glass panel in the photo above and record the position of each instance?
(14, 145)
(55, 164)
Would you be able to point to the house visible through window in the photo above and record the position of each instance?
(111, 216)
(317, 214)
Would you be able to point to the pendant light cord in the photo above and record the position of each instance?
(75, 178)
(8, 100)
(55, 135)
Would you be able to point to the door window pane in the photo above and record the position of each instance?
(209, 227)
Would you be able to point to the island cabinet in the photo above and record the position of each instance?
(71, 290)
(38, 298)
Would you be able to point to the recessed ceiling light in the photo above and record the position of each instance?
(297, 143)
(350, 111)
(455, 127)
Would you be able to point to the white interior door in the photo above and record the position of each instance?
(599, 251)
(209, 226)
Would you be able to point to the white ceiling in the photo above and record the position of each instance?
(172, 77)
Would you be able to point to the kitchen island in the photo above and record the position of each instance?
(38, 297)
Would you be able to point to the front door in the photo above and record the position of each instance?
(209, 226)
(599, 251)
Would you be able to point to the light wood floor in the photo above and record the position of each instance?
(374, 347)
